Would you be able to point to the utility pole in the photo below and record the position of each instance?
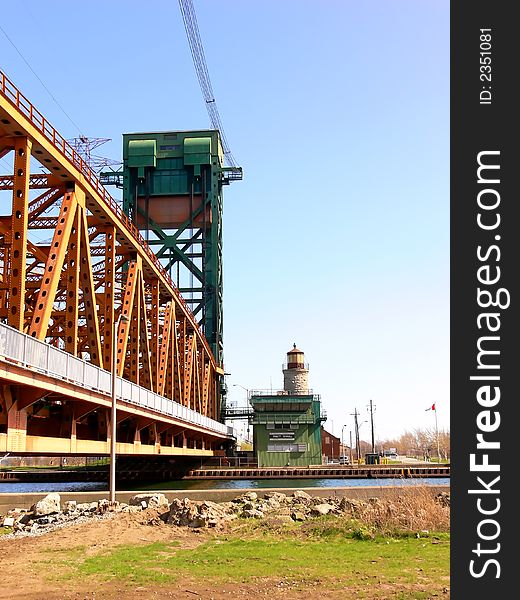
(372, 407)
(356, 432)
(350, 446)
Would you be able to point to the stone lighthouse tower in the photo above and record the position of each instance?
(296, 373)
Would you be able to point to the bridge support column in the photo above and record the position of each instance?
(156, 437)
(108, 421)
(16, 422)
(16, 430)
(73, 440)
(137, 441)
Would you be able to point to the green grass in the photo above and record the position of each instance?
(334, 560)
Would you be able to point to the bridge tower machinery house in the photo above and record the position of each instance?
(72, 261)
(172, 192)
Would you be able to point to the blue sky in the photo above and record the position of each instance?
(337, 239)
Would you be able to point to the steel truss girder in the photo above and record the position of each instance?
(17, 253)
(38, 181)
(71, 289)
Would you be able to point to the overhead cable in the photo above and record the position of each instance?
(39, 79)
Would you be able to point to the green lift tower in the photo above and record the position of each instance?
(172, 191)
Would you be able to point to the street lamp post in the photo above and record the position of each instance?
(247, 392)
(437, 438)
(244, 388)
(342, 453)
(113, 424)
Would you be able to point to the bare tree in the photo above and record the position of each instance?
(419, 443)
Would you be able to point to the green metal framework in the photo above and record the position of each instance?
(172, 191)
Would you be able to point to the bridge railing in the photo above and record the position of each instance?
(28, 352)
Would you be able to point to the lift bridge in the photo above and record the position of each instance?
(90, 286)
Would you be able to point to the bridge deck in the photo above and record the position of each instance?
(36, 365)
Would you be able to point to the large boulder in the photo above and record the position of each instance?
(189, 513)
(150, 500)
(47, 506)
(301, 497)
(252, 513)
(355, 507)
(87, 507)
(270, 504)
(274, 500)
(278, 496)
(70, 506)
(250, 496)
(105, 506)
(322, 509)
(298, 515)
(245, 498)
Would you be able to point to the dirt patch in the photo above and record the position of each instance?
(26, 563)
(24, 560)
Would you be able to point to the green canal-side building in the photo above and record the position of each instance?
(287, 423)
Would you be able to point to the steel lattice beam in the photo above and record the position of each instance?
(95, 265)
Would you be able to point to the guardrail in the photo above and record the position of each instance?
(305, 396)
(24, 350)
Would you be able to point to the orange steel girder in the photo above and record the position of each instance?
(178, 368)
(73, 274)
(154, 322)
(17, 256)
(127, 311)
(89, 295)
(109, 286)
(162, 367)
(144, 342)
(71, 291)
(53, 268)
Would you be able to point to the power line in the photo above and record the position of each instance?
(199, 61)
(40, 80)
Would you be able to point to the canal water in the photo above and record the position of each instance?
(215, 484)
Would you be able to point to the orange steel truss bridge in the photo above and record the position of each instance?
(72, 268)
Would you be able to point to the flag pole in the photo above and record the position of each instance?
(437, 436)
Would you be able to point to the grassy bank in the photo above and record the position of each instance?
(394, 548)
(378, 557)
(406, 567)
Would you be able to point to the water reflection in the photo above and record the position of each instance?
(48, 487)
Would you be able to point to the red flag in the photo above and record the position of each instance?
(432, 407)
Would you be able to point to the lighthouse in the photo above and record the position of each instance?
(287, 423)
(295, 373)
